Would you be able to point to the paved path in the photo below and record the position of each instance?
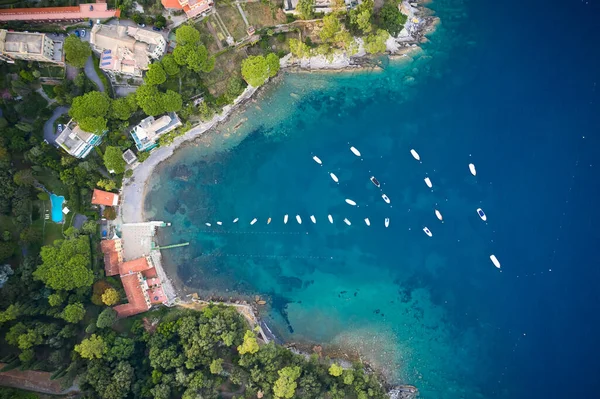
(242, 13)
(49, 132)
(42, 93)
(90, 72)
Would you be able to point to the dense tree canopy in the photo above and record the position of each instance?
(187, 34)
(66, 264)
(299, 48)
(361, 17)
(76, 51)
(110, 297)
(306, 8)
(170, 65)
(91, 348)
(90, 111)
(155, 74)
(113, 160)
(390, 18)
(123, 107)
(375, 43)
(106, 318)
(256, 69)
(73, 313)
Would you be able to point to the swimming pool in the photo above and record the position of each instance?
(57, 203)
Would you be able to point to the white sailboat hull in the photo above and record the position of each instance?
(347, 222)
(367, 222)
(334, 177)
(350, 202)
(428, 182)
(472, 169)
(317, 160)
(298, 219)
(415, 155)
(285, 219)
(236, 220)
(495, 261)
(355, 151)
(438, 214)
(253, 221)
(330, 218)
(208, 224)
(312, 219)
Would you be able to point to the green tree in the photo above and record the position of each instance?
(391, 19)
(170, 65)
(90, 111)
(110, 297)
(306, 8)
(91, 348)
(150, 100)
(76, 51)
(66, 264)
(187, 34)
(89, 227)
(155, 75)
(106, 318)
(298, 48)
(171, 101)
(255, 70)
(273, 64)
(107, 184)
(361, 17)
(375, 43)
(122, 108)
(31, 235)
(113, 160)
(73, 313)
(250, 345)
(336, 370)
(331, 27)
(24, 177)
(55, 299)
(285, 386)
(216, 366)
(7, 249)
(93, 124)
(109, 213)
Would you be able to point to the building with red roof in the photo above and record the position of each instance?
(112, 256)
(105, 198)
(192, 8)
(93, 11)
(137, 296)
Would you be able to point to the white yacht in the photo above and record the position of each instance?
(208, 224)
(269, 221)
(472, 169)
(312, 219)
(428, 182)
(415, 155)
(481, 214)
(347, 222)
(495, 261)
(385, 198)
(330, 218)
(298, 219)
(427, 231)
(367, 222)
(334, 177)
(438, 214)
(285, 219)
(317, 160)
(253, 221)
(387, 222)
(220, 223)
(350, 202)
(355, 151)
(236, 220)
(375, 181)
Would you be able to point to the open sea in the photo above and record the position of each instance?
(511, 87)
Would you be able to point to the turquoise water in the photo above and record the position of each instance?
(57, 205)
(517, 99)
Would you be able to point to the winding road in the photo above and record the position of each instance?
(49, 133)
(90, 72)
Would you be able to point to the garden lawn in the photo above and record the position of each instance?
(233, 21)
(262, 15)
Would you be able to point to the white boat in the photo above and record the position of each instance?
(347, 222)
(472, 169)
(285, 219)
(355, 151)
(495, 261)
(427, 231)
(438, 214)
(367, 222)
(428, 182)
(253, 221)
(236, 220)
(415, 155)
(298, 219)
(385, 198)
(317, 160)
(208, 224)
(220, 223)
(375, 181)
(387, 222)
(350, 202)
(481, 214)
(312, 219)
(330, 218)
(334, 177)
(269, 221)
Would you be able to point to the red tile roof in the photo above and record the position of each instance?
(157, 295)
(42, 10)
(135, 296)
(171, 4)
(100, 197)
(111, 257)
(134, 266)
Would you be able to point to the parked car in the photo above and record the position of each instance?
(91, 23)
(142, 25)
(77, 33)
(59, 128)
(83, 33)
(156, 29)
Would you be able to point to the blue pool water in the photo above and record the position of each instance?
(508, 87)
(57, 205)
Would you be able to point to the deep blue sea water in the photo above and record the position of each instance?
(512, 88)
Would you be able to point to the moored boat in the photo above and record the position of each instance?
(350, 202)
(269, 221)
(253, 221)
(236, 220)
(387, 222)
(312, 219)
(438, 214)
(495, 261)
(334, 177)
(208, 224)
(318, 160)
(367, 222)
(481, 214)
(375, 181)
(330, 218)
(385, 198)
(355, 151)
(415, 155)
(285, 219)
(220, 223)
(428, 182)
(298, 219)
(472, 169)
(347, 221)
(427, 231)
